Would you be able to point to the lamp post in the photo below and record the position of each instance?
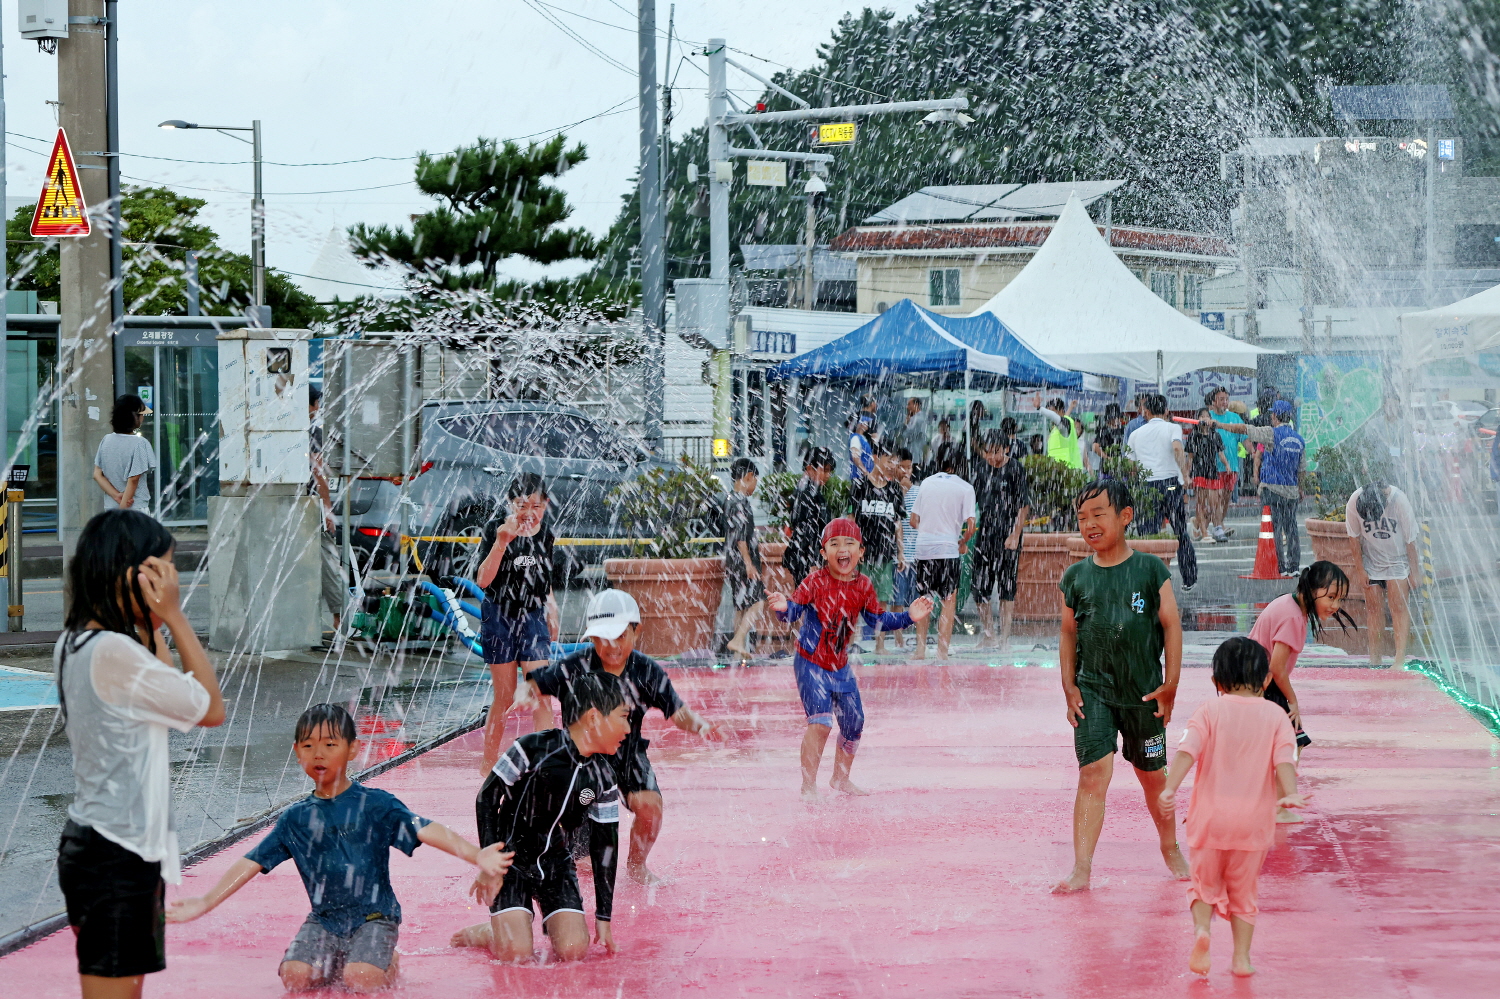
(257, 211)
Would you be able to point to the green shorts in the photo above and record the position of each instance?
(1141, 735)
(883, 575)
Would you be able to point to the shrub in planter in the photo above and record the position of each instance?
(1044, 548)
(776, 491)
(677, 580)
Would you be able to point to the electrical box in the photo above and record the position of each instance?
(703, 312)
(263, 419)
(372, 406)
(43, 18)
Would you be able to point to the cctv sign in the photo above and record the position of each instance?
(839, 133)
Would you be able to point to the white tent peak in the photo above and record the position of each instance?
(1078, 306)
(337, 273)
(1466, 327)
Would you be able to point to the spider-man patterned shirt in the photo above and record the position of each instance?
(831, 610)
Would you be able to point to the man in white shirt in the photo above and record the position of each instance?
(943, 517)
(1157, 446)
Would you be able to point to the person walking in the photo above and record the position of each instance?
(809, 515)
(1004, 501)
(944, 520)
(1279, 474)
(1158, 447)
(1209, 467)
(124, 461)
(1217, 400)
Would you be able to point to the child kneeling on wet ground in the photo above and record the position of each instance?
(832, 602)
(340, 837)
(1242, 745)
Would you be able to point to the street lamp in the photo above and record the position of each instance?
(257, 210)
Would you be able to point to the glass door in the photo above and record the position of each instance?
(181, 385)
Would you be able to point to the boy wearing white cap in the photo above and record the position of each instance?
(612, 620)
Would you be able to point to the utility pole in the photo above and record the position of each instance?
(810, 237)
(84, 352)
(653, 233)
(1429, 228)
(112, 165)
(258, 233)
(4, 291)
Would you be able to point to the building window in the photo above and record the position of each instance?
(1164, 284)
(943, 286)
(1192, 292)
(1139, 275)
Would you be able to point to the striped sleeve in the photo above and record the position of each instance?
(510, 766)
(606, 807)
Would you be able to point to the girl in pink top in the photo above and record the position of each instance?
(1243, 745)
(1282, 630)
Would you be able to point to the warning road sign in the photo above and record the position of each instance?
(60, 210)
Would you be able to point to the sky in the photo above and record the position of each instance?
(376, 81)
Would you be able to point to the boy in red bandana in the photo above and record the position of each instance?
(832, 602)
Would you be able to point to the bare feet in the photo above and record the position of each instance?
(642, 875)
(1198, 958)
(478, 935)
(1176, 862)
(809, 792)
(920, 653)
(1242, 967)
(845, 785)
(1287, 816)
(1078, 880)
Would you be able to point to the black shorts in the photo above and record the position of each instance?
(116, 904)
(744, 591)
(552, 882)
(995, 565)
(1277, 696)
(1139, 735)
(633, 770)
(938, 577)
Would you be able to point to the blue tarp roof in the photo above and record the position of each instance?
(906, 339)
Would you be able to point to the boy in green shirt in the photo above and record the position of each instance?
(1119, 617)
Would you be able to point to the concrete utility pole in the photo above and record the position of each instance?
(84, 352)
(112, 164)
(4, 289)
(653, 233)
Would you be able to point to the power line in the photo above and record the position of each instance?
(816, 76)
(586, 44)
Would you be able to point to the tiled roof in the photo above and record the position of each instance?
(886, 238)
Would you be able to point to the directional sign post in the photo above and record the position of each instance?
(60, 210)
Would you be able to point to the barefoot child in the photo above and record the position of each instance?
(747, 586)
(518, 617)
(1119, 621)
(119, 693)
(832, 602)
(1242, 745)
(613, 619)
(542, 789)
(340, 838)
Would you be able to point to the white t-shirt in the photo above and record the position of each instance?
(943, 504)
(120, 701)
(1151, 445)
(1383, 540)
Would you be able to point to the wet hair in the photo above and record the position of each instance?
(948, 458)
(1037, 446)
(1156, 404)
(1241, 663)
(1371, 502)
(1112, 412)
(122, 417)
(1057, 404)
(903, 454)
(819, 457)
(594, 689)
(526, 484)
(1201, 427)
(741, 468)
(314, 395)
(1213, 390)
(1318, 576)
(1117, 492)
(995, 440)
(1009, 426)
(880, 449)
(330, 716)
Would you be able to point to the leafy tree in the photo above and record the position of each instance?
(160, 226)
(497, 204)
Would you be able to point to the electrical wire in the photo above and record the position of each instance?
(587, 45)
(816, 76)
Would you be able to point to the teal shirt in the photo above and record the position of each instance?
(1120, 637)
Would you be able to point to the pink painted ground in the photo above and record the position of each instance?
(937, 885)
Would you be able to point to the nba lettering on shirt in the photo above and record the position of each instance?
(1137, 602)
(877, 508)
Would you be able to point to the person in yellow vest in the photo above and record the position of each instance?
(1062, 439)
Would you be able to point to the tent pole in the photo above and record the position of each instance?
(1161, 383)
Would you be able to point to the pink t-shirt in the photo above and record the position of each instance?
(1281, 621)
(1236, 743)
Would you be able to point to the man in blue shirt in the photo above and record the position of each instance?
(1140, 418)
(1280, 480)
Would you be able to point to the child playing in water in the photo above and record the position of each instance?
(832, 602)
(340, 838)
(119, 693)
(1119, 621)
(542, 789)
(1282, 630)
(1242, 745)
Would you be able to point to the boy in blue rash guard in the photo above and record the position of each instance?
(832, 602)
(340, 837)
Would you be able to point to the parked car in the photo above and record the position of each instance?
(469, 453)
(1469, 410)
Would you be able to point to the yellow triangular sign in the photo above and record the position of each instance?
(60, 210)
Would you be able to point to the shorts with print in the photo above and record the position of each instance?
(554, 885)
(116, 905)
(371, 943)
(938, 576)
(524, 639)
(1139, 735)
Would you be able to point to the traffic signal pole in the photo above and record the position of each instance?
(653, 233)
(85, 354)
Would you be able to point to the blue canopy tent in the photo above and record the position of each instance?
(907, 339)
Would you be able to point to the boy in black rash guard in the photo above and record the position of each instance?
(541, 789)
(612, 618)
(518, 617)
(809, 515)
(879, 507)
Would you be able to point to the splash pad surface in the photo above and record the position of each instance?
(937, 884)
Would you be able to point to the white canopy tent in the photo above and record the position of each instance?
(1079, 307)
(1466, 327)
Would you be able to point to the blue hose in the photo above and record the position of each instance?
(471, 586)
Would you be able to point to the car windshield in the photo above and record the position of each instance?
(542, 435)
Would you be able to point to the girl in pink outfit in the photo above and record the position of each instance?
(1242, 744)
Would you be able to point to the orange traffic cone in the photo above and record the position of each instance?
(1266, 566)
